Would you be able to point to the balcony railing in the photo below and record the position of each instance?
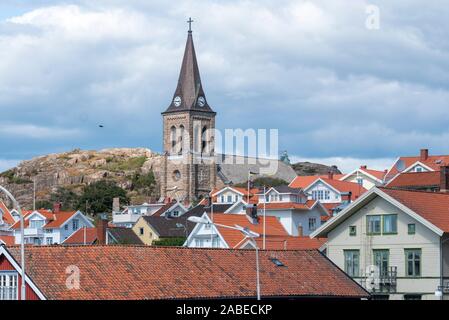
(381, 282)
(33, 232)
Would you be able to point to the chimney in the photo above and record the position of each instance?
(167, 200)
(364, 167)
(330, 175)
(57, 207)
(102, 225)
(116, 205)
(300, 232)
(424, 154)
(444, 179)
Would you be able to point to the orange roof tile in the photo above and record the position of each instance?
(432, 206)
(53, 220)
(234, 237)
(82, 236)
(433, 161)
(7, 217)
(7, 240)
(290, 243)
(140, 272)
(342, 186)
(287, 205)
(415, 179)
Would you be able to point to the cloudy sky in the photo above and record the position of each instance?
(339, 89)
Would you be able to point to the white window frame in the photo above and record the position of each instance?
(5, 283)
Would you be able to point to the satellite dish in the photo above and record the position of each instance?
(400, 165)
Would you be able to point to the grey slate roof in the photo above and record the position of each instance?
(286, 189)
(233, 169)
(167, 227)
(124, 236)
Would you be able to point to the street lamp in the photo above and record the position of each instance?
(22, 241)
(246, 232)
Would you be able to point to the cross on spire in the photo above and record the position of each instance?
(190, 24)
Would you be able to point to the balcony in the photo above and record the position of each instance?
(380, 282)
(125, 218)
(33, 232)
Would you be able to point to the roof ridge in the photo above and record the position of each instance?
(416, 191)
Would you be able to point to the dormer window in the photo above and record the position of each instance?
(418, 169)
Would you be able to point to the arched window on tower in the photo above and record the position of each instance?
(181, 138)
(204, 139)
(173, 139)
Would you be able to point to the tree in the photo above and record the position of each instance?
(68, 199)
(264, 181)
(98, 196)
(145, 183)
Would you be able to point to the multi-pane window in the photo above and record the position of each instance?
(373, 224)
(229, 199)
(49, 241)
(199, 243)
(352, 262)
(411, 228)
(36, 224)
(75, 224)
(8, 286)
(381, 260)
(312, 224)
(413, 262)
(390, 223)
(327, 194)
(360, 181)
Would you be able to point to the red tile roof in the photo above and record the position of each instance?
(433, 162)
(235, 238)
(376, 173)
(290, 243)
(432, 206)
(7, 217)
(287, 205)
(53, 220)
(141, 272)
(341, 186)
(82, 236)
(7, 240)
(415, 179)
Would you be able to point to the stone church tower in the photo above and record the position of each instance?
(188, 142)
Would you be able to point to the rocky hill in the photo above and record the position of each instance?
(75, 169)
(311, 169)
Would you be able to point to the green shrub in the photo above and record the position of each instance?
(170, 242)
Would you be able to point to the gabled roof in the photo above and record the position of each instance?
(285, 189)
(82, 236)
(53, 220)
(377, 175)
(305, 181)
(200, 273)
(166, 207)
(288, 205)
(429, 208)
(433, 162)
(235, 238)
(7, 216)
(415, 179)
(341, 186)
(432, 206)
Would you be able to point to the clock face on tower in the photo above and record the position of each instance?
(177, 101)
(201, 101)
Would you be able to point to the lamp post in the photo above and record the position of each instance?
(22, 240)
(247, 233)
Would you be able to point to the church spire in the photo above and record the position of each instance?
(189, 94)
